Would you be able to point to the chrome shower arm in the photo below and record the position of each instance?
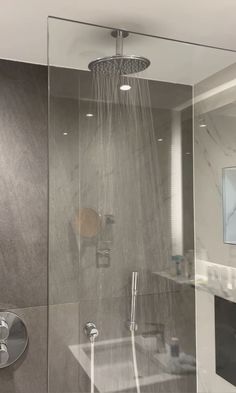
(119, 35)
(119, 43)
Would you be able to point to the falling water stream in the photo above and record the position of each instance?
(128, 181)
(128, 159)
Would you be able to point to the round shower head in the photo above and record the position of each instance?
(119, 63)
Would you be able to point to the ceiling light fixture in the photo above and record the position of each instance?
(160, 140)
(202, 122)
(89, 114)
(125, 87)
(65, 133)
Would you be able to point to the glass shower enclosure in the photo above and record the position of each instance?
(122, 275)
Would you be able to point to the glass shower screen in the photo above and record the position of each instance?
(121, 237)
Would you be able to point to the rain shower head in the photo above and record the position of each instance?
(119, 63)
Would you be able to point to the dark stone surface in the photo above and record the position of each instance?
(225, 331)
(23, 184)
(23, 217)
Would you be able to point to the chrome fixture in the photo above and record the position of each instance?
(109, 219)
(13, 338)
(132, 325)
(103, 257)
(119, 63)
(159, 333)
(4, 329)
(105, 240)
(91, 331)
(4, 355)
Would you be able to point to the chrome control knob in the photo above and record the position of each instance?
(91, 331)
(4, 330)
(4, 355)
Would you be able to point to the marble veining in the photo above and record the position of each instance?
(215, 149)
(210, 159)
(23, 216)
(23, 184)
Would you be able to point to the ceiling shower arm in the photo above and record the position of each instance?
(119, 35)
(119, 43)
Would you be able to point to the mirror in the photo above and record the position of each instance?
(229, 204)
(87, 222)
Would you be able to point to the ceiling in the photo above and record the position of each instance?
(23, 31)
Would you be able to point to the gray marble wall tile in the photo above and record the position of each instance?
(23, 184)
(23, 217)
(173, 309)
(142, 228)
(63, 201)
(64, 330)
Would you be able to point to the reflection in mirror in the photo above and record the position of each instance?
(87, 222)
(229, 204)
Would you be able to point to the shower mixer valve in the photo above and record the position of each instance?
(91, 331)
(13, 338)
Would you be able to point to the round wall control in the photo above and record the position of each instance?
(13, 338)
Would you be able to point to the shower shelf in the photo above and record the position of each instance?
(201, 284)
(178, 279)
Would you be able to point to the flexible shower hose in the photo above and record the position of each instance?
(135, 362)
(92, 366)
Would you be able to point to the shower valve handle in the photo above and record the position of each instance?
(91, 330)
(4, 330)
(4, 355)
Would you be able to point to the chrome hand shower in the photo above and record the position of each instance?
(132, 325)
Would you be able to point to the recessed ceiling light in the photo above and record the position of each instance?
(202, 122)
(89, 114)
(188, 153)
(65, 133)
(125, 87)
(160, 139)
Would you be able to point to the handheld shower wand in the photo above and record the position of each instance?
(132, 325)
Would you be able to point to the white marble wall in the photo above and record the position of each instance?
(215, 148)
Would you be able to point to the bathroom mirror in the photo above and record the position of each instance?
(87, 222)
(229, 204)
